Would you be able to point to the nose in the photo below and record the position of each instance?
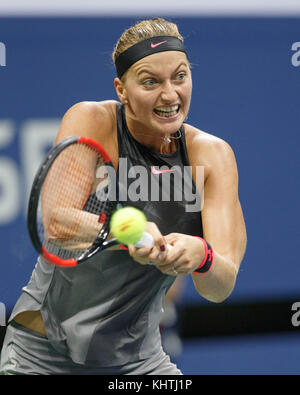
(168, 93)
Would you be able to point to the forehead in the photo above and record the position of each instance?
(167, 61)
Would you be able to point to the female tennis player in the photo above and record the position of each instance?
(102, 317)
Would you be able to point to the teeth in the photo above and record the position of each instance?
(167, 111)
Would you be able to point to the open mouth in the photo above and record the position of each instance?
(167, 112)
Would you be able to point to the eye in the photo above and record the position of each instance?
(150, 82)
(180, 76)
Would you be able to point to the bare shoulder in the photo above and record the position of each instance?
(208, 150)
(90, 119)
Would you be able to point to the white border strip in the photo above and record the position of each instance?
(153, 8)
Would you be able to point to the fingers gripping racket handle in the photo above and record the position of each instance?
(147, 240)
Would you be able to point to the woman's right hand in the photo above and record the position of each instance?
(150, 255)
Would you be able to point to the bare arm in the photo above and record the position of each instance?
(223, 224)
(71, 179)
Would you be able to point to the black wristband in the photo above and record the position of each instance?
(208, 259)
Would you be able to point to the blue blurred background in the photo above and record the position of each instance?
(246, 89)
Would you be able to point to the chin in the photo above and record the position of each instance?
(169, 125)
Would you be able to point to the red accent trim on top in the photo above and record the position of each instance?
(96, 146)
(123, 247)
(56, 260)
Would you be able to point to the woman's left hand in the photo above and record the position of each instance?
(183, 257)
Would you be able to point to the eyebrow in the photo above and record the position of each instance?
(144, 69)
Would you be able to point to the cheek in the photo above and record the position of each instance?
(187, 94)
(189, 87)
(143, 103)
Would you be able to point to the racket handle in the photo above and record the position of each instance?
(147, 240)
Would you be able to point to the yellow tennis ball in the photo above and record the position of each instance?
(127, 225)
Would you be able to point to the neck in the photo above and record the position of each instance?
(163, 144)
(157, 141)
(168, 148)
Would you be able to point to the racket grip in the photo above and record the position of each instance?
(147, 240)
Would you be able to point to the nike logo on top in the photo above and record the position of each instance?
(157, 44)
(154, 171)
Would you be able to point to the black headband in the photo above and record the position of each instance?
(145, 48)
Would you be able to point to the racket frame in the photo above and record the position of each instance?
(100, 242)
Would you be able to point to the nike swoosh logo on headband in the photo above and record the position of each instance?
(154, 171)
(157, 44)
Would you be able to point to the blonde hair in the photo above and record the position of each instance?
(142, 31)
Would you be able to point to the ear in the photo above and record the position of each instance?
(120, 90)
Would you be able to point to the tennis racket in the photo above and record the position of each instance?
(71, 203)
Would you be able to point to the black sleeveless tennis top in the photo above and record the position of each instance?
(106, 311)
(160, 185)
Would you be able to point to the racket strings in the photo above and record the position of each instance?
(69, 207)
